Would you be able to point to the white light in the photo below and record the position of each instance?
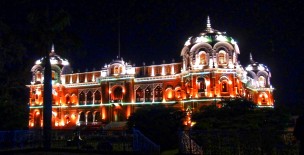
(221, 38)
(202, 39)
(187, 43)
(249, 68)
(261, 68)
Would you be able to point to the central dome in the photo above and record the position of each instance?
(211, 36)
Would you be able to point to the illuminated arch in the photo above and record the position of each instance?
(81, 118)
(89, 97)
(148, 94)
(262, 81)
(169, 93)
(223, 45)
(178, 92)
(158, 91)
(139, 95)
(201, 82)
(203, 60)
(67, 99)
(222, 58)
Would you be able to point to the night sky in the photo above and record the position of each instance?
(157, 30)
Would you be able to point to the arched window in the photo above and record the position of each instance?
(158, 94)
(81, 98)
(224, 86)
(222, 57)
(89, 97)
(148, 95)
(139, 95)
(97, 97)
(97, 117)
(81, 118)
(116, 70)
(261, 81)
(201, 84)
(89, 117)
(67, 99)
(202, 58)
(178, 93)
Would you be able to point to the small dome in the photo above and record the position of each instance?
(54, 59)
(256, 67)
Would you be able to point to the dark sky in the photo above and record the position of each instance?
(157, 30)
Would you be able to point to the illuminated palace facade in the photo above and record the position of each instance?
(209, 72)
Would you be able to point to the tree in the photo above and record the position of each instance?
(158, 123)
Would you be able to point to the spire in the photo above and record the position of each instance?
(251, 59)
(208, 23)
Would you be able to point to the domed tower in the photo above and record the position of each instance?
(210, 49)
(258, 83)
(210, 67)
(59, 67)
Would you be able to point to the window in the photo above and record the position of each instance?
(158, 94)
(139, 95)
(81, 98)
(89, 97)
(201, 84)
(224, 87)
(261, 81)
(202, 58)
(97, 97)
(222, 57)
(148, 95)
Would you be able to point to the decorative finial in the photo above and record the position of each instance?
(53, 48)
(208, 22)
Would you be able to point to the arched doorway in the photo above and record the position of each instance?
(117, 94)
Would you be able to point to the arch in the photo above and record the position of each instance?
(222, 58)
(158, 91)
(97, 116)
(139, 95)
(148, 94)
(37, 119)
(262, 81)
(117, 94)
(201, 84)
(224, 86)
(97, 96)
(73, 98)
(89, 117)
(89, 97)
(223, 45)
(203, 60)
(81, 98)
(36, 68)
(263, 99)
(67, 99)
(205, 46)
(251, 74)
(169, 93)
(178, 92)
(81, 117)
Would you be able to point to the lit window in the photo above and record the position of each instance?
(261, 81)
(202, 57)
(221, 57)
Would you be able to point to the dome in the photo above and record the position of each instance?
(256, 67)
(211, 36)
(54, 59)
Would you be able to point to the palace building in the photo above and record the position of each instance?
(209, 72)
